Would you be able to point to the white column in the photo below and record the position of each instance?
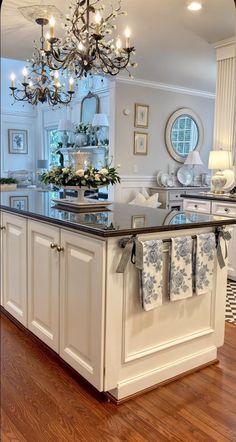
(225, 110)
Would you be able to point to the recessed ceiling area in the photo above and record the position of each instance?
(173, 45)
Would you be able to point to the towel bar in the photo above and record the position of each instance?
(124, 241)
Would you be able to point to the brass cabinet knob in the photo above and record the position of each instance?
(60, 249)
(53, 246)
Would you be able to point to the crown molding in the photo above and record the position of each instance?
(225, 42)
(225, 49)
(18, 113)
(165, 87)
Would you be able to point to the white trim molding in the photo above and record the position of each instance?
(130, 185)
(165, 87)
(225, 49)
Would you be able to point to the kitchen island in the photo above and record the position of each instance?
(60, 281)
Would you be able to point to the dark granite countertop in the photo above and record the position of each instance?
(117, 220)
(210, 196)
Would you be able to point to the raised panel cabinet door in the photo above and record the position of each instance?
(82, 293)
(14, 266)
(232, 254)
(43, 283)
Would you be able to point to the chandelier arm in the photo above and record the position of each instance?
(121, 62)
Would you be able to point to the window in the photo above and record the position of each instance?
(184, 135)
(53, 139)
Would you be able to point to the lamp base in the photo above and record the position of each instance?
(218, 181)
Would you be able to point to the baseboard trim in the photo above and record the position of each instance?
(160, 384)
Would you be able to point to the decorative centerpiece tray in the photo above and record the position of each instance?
(87, 203)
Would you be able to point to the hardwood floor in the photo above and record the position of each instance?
(42, 401)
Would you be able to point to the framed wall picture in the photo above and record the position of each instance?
(19, 202)
(141, 116)
(138, 221)
(17, 141)
(140, 143)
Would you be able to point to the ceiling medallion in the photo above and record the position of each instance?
(89, 46)
(39, 85)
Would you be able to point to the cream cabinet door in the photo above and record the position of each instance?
(43, 282)
(82, 292)
(14, 266)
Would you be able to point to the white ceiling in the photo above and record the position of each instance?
(173, 45)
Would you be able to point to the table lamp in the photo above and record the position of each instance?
(193, 159)
(100, 121)
(64, 126)
(219, 160)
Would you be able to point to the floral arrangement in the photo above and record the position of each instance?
(89, 177)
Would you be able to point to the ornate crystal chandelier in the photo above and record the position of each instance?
(89, 46)
(39, 85)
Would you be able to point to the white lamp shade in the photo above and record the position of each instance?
(64, 125)
(193, 158)
(220, 160)
(100, 120)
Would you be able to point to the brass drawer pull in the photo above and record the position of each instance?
(2, 228)
(227, 210)
(53, 246)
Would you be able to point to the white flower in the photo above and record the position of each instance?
(104, 179)
(65, 170)
(86, 176)
(97, 177)
(80, 172)
(104, 171)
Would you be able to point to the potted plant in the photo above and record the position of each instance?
(8, 184)
(81, 134)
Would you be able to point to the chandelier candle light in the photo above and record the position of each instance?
(89, 46)
(39, 84)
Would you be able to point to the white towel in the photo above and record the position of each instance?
(181, 268)
(205, 261)
(151, 277)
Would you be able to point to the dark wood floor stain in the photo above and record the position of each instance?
(42, 402)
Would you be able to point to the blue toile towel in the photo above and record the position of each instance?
(151, 276)
(205, 261)
(181, 268)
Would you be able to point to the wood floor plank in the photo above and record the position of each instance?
(9, 432)
(42, 401)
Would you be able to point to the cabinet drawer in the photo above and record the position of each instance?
(224, 209)
(197, 206)
(175, 196)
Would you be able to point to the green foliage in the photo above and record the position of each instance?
(82, 128)
(8, 181)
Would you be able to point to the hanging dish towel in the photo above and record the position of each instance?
(151, 277)
(181, 268)
(205, 260)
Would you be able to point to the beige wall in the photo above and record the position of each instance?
(162, 105)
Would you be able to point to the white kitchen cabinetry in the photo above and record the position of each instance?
(225, 209)
(82, 298)
(43, 282)
(14, 268)
(219, 208)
